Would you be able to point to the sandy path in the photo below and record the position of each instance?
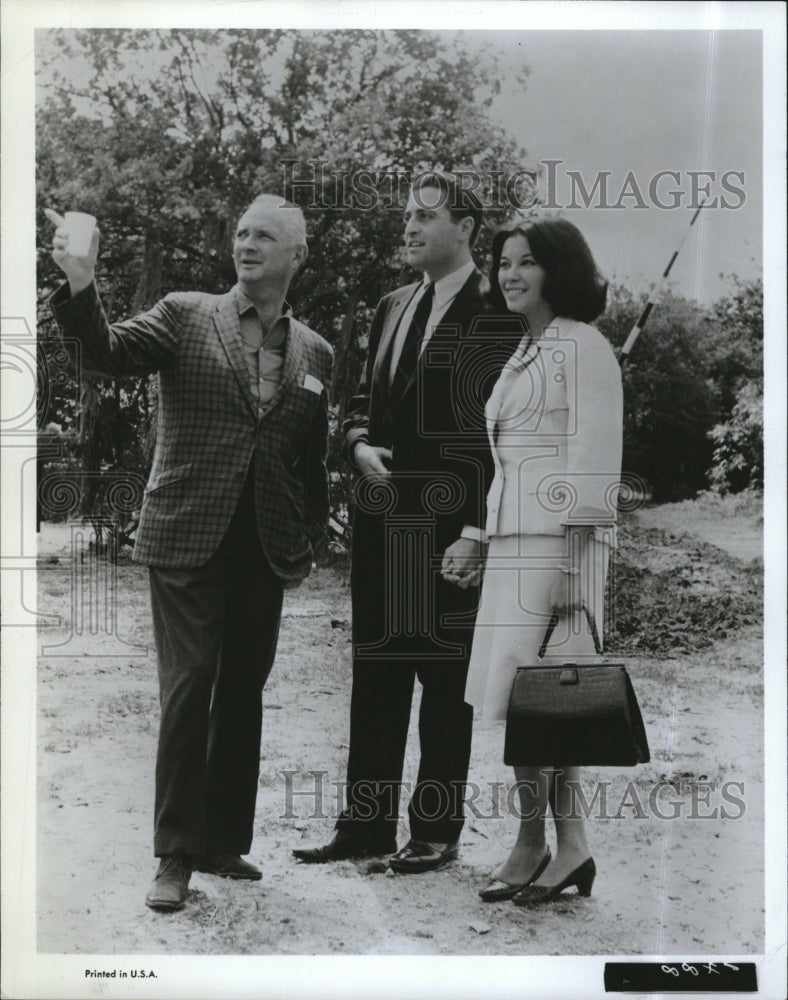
(682, 885)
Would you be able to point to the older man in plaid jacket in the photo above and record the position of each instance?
(236, 502)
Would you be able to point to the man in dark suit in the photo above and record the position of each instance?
(416, 433)
(236, 502)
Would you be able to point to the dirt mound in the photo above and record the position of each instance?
(673, 593)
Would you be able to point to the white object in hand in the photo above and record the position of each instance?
(80, 227)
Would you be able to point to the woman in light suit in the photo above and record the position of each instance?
(555, 425)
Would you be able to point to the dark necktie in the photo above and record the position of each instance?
(409, 357)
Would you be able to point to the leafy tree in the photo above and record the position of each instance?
(166, 136)
(669, 405)
(174, 132)
(735, 346)
(693, 391)
(738, 444)
(733, 341)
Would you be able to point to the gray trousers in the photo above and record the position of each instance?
(216, 628)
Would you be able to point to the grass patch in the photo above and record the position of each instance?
(126, 703)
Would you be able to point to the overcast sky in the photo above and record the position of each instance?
(646, 102)
(631, 104)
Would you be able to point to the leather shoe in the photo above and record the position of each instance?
(170, 887)
(227, 866)
(423, 856)
(535, 895)
(498, 890)
(345, 847)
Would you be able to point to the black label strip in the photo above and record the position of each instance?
(680, 977)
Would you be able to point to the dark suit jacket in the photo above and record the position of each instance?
(437, 434)
(440, 472)
(208, 429)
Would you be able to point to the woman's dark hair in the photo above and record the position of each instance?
(573, 285)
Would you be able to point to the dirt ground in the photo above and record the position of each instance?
(688, 884)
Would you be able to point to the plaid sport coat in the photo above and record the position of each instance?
(209, 430)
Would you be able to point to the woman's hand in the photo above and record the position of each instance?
(565, 594)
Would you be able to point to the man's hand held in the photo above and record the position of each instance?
(462, 563)
(79, 271)
(372, 460)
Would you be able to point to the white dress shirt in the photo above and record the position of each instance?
(446, 290)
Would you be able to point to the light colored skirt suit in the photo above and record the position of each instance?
(555, 424)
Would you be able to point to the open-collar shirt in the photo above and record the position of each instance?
(264, 353)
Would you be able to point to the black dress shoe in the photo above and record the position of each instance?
(423, 856)
(227, 866)
(345, 847)
(498, 890)
(170, 887)
(535, 895)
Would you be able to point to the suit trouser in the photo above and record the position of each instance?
(383, 685)
(216, 628)
(379, 716)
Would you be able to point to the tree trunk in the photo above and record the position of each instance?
(148, 288)
(342, 352)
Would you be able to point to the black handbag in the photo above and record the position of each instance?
(574, 714)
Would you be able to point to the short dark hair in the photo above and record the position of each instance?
(461, 202)
(573, 285)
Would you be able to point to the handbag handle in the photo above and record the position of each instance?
(554, 621)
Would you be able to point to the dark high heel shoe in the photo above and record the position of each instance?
(498, 890)
(535, 895)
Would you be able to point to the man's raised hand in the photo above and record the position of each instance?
(78, 270)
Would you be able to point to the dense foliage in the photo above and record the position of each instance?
(167, 136)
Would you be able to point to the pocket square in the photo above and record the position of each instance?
(313, 384)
